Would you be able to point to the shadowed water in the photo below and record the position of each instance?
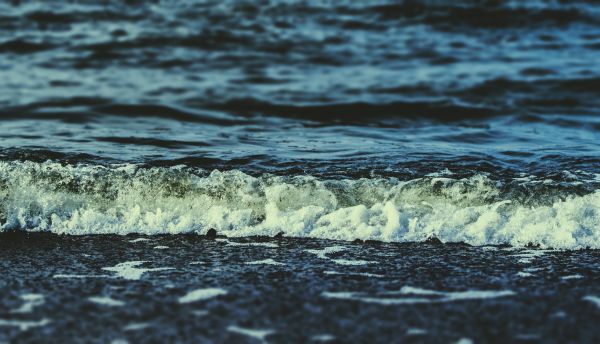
(316, 87)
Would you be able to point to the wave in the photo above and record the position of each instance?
(356, 112)
(89, 109)
(242, 111)
(502, 96)
(121, 199)
(482, 101)
(474, 15)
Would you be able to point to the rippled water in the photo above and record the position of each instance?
(388, 91)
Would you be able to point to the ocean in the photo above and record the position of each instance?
(300, 171)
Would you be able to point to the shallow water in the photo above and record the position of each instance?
(501, 100)
(202, 290)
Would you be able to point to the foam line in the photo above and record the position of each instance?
(123, 199)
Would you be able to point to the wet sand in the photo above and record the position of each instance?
(184, 288)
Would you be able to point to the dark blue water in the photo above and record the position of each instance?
(332, 91)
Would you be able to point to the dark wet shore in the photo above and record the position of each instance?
(57, 290)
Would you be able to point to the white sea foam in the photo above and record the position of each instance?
(445, 172)
(352, 262)
(136, 326)
(130, 271)
(267, 261)
(415, 332)
(322, 253)
(119, 341)
(412, 295)
(364, 274)
(24, 325)
(527, 256)
(457, 295)
(106, 301)
(253, 333)
(201, 294)
(464, 341)
(322, 338)
(593, 299)
(126, 199)
(29, 302)
(263, 244)
(570, 277)
(139, 240)
(81, 276)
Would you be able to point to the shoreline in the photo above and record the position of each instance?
(186, 288)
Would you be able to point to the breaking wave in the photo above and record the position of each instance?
(121, 199)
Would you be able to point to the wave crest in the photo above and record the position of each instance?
(122, 199)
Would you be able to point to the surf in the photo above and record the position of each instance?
(83, 199)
